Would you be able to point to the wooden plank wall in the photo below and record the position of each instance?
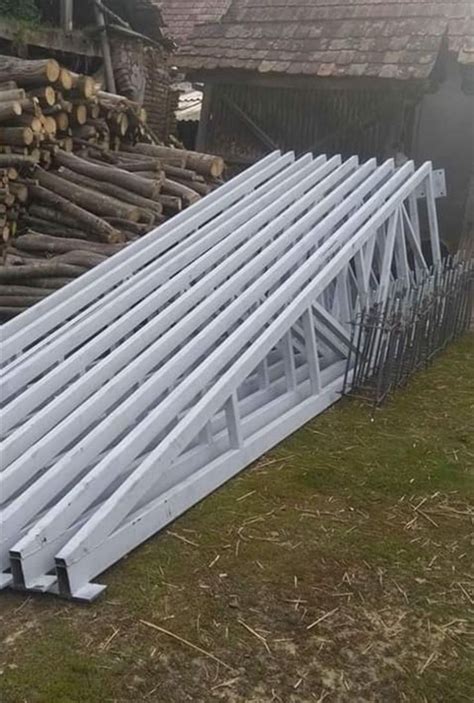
(365, 122)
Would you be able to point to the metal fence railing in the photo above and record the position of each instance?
(416, 322)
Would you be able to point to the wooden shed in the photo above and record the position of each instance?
(372, 78)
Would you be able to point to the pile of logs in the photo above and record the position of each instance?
(78, 180)
(43, 104)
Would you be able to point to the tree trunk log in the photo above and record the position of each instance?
(33, 241)
(16, 160)
(148, 208)
(27, 120)
(171, 204)
(52, 215)
(8, 85)
(201, 188)
(20, 191)
(112, 175)
(65, 79)
(173, 188)
(91, 223)
(26, 73)
(24, 290)
(175, 158)
(180, 174)
(62, 121)
(132, 227)
(89, 200)
(89, 259)
(143, 165)
(83, 85)
(48, 283)
(39, 270)
(16, 136)
(205, 164)
(9, 111)
(51, 228)
(46, 96)
(8, 96)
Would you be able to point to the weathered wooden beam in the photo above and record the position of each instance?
(52, 38)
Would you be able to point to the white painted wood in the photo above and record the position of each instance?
(170, 372)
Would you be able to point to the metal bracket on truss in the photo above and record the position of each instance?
(134, 392)
(439, 185)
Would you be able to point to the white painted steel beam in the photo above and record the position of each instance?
(134, 392)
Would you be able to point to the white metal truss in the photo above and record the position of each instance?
(134, 392)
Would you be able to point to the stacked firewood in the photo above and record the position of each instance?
(44, 106)
(73, 194)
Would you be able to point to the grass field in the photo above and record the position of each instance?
(339, 568)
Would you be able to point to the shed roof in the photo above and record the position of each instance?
(183, 16)
(377, 38)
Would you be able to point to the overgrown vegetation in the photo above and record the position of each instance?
(338, 569)
(26, 10)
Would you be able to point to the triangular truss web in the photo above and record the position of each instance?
(137, 390)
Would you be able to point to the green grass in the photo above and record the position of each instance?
(363, 518)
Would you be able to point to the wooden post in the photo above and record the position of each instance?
(67, 7)
(201, 139)
(104, 41)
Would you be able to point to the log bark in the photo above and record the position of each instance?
(157, 176)
(51, 228)
(36, 242)
(173, 188)
(8, 96)
(86, 132)
(51, 215)
(27, 120)
(95, 225)
(39, 270)
(204, 164)
(8, 85)
(7, 197)
(180, 174)
(112, 175)
(52, 283)
(31, 106)
(17, 136)
(26, 73)
(201, 188)
(84, 86)
(148, 208)
(24, 290)
(132, 227)
(92, 201)
(19, 191)
(10, 111)
(19, 301)
(115, 101)
(171, 204)
(88, 259)
(143, 165)
(46, 96)
(175, 158)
